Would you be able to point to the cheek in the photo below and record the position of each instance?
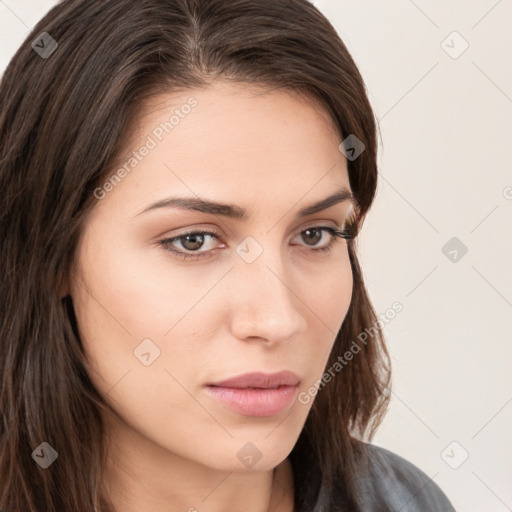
(132, 310)
(123, 314)
(327, 295)
(326, 290)
(140, 290)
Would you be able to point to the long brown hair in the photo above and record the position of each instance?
(64, 112)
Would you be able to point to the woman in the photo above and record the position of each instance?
(183, 184)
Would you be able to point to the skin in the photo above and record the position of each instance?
(173, 447)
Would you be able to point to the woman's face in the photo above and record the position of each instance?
(158, 329)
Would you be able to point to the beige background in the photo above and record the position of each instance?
(446, 124)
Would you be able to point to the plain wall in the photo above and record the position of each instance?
(445, 171)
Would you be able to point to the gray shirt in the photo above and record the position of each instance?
(393, 484)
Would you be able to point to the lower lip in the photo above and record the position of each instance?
(253, 401)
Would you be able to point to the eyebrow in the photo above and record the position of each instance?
(236, 212)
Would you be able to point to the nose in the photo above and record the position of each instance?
(264, 302)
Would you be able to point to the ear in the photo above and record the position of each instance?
(66, 281)
(64, 289)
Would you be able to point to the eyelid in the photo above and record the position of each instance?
(335, 233)
(215, 231)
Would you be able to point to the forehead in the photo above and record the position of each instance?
(230, 139)
(238, 116)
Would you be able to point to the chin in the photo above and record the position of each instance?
(250, 455)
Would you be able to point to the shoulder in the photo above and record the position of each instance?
(388, 482)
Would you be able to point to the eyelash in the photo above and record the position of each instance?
(346, 234)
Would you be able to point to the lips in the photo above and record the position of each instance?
(260, 380)
(256, 394)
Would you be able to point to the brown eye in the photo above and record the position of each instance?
(192, 242)
(313, 235)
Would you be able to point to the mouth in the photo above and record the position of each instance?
(256, 394)
(257, 402)
(260, 380)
